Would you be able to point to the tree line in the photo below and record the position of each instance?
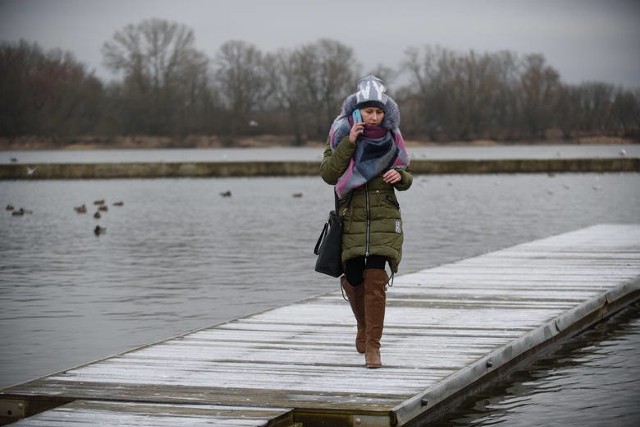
(167, 87)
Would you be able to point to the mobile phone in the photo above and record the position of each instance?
(357, 117)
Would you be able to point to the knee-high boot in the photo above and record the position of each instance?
(355, 295)
(375, 299)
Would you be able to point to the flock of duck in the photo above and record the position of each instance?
(18, 212)
(101, 208)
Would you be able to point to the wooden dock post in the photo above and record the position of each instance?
(449, 332)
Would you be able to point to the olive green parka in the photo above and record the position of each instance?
(371, 214)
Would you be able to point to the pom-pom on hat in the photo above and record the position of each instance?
(371, 93)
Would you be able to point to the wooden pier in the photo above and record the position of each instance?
(449, 332)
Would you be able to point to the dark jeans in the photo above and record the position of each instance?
(354, 270)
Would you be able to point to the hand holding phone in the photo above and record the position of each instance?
(358, 126)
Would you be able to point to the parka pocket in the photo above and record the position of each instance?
(393, 201)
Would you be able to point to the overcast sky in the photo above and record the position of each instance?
(585, 40)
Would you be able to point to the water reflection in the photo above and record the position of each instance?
(592, 381)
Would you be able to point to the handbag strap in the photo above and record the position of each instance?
(325, 229)
(349, 196)
(322, 234)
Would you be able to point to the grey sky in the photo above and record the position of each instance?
(584, 40)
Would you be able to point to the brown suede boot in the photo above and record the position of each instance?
(355, 295)
(375, 300)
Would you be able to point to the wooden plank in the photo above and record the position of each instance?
(447, 329)
(126, 414)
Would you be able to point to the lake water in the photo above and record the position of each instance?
(591, 381)
(178, 256)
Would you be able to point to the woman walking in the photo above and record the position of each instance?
(366, 160)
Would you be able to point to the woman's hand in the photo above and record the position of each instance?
(356, 130)
(392, 176)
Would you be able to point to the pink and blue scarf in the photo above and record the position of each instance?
(378, 149)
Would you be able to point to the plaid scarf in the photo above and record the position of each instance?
(378, 149)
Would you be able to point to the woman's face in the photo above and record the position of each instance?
(372, 115)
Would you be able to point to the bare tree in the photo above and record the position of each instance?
(241, 80)
(156, 50)
(169, 89)
(539, 93)
(285, 79)
(568, 112)
(311, 82)
(467, 96)
(596, 100)
(163, 72)
(626, 111)
(435, 78)
(503, 109)
(46, 93)
(326, 72)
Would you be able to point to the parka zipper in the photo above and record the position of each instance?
(368, 209)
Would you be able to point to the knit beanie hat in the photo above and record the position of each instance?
(371, 93)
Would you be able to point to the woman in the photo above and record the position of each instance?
(366, 161)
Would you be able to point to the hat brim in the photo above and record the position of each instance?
(368, 104)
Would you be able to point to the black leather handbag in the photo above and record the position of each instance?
(329, 247)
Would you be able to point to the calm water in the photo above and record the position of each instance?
(178, 256)
(590, 382)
